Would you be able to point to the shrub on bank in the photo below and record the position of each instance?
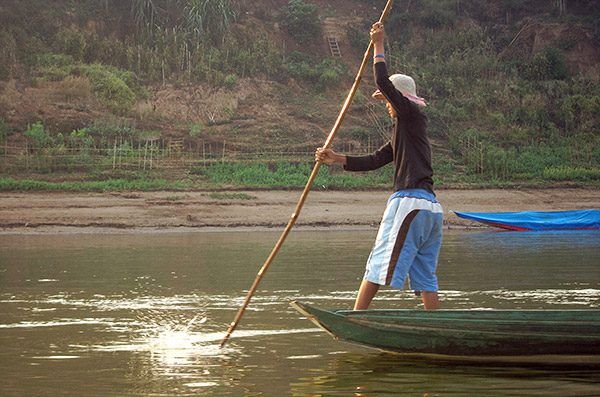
(301, 20)
(323, 74)
(548, 64)
(75, 87)
(114, 87)
(566, 173)
(38, 135)
(117, 89)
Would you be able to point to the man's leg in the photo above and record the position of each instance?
(430, 300)
(366, 292)
(422, 272)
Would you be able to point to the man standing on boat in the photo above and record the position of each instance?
(410, 234)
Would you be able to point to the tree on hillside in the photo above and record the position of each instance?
(301, 20)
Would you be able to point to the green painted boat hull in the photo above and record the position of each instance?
(482, 333)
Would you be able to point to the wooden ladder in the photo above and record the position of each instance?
(175, 146)
(334, 47)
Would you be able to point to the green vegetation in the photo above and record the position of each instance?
(151, 39)
(291, 175)
(202, 17)
(324, 74)
(38, 135)
(174, 198)
(99, 135)
(502, 111)
(548, 64)
(196, 130)
(115, 88)
(231, 196)
(301, 19)
(294, 175)
(230, 80)
(571, 173)
(505, 116)
(10, 184)
(3, 133)
(98, 146)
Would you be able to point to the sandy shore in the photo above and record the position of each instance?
(60, 212)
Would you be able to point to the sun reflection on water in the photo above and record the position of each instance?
(176, 346)
(180, 348)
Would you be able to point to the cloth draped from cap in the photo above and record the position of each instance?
(406, 85)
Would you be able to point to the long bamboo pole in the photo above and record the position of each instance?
(313, 175)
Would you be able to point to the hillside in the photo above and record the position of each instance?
(513, 86)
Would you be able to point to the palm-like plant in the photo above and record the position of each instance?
(147, 14)
(208, 18)
(201, 19)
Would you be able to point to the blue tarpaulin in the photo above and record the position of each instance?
(531, 220)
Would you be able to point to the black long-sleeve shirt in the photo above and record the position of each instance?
(409, 147)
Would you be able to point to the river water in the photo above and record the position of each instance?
(143, 314)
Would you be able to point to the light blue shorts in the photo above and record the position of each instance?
(408, 242)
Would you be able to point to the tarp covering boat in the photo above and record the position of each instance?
(541, 220)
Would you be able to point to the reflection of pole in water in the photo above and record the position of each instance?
(193, 320)
(189, 325)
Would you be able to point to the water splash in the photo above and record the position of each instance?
(184, 348)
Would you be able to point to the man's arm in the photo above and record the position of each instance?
(381, 157)
(400, 104)
(328, 156)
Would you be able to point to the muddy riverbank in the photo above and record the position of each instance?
(51, 212)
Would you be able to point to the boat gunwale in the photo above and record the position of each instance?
(472, 320)
(376, 325)
(478, 311)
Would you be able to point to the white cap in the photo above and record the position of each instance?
(406, 85)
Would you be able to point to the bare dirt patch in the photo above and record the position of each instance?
(51, 212)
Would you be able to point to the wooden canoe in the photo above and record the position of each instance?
(464, 333)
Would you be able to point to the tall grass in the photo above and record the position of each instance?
(292, 175)
(10, 184)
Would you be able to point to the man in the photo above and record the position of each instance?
(410, 234)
